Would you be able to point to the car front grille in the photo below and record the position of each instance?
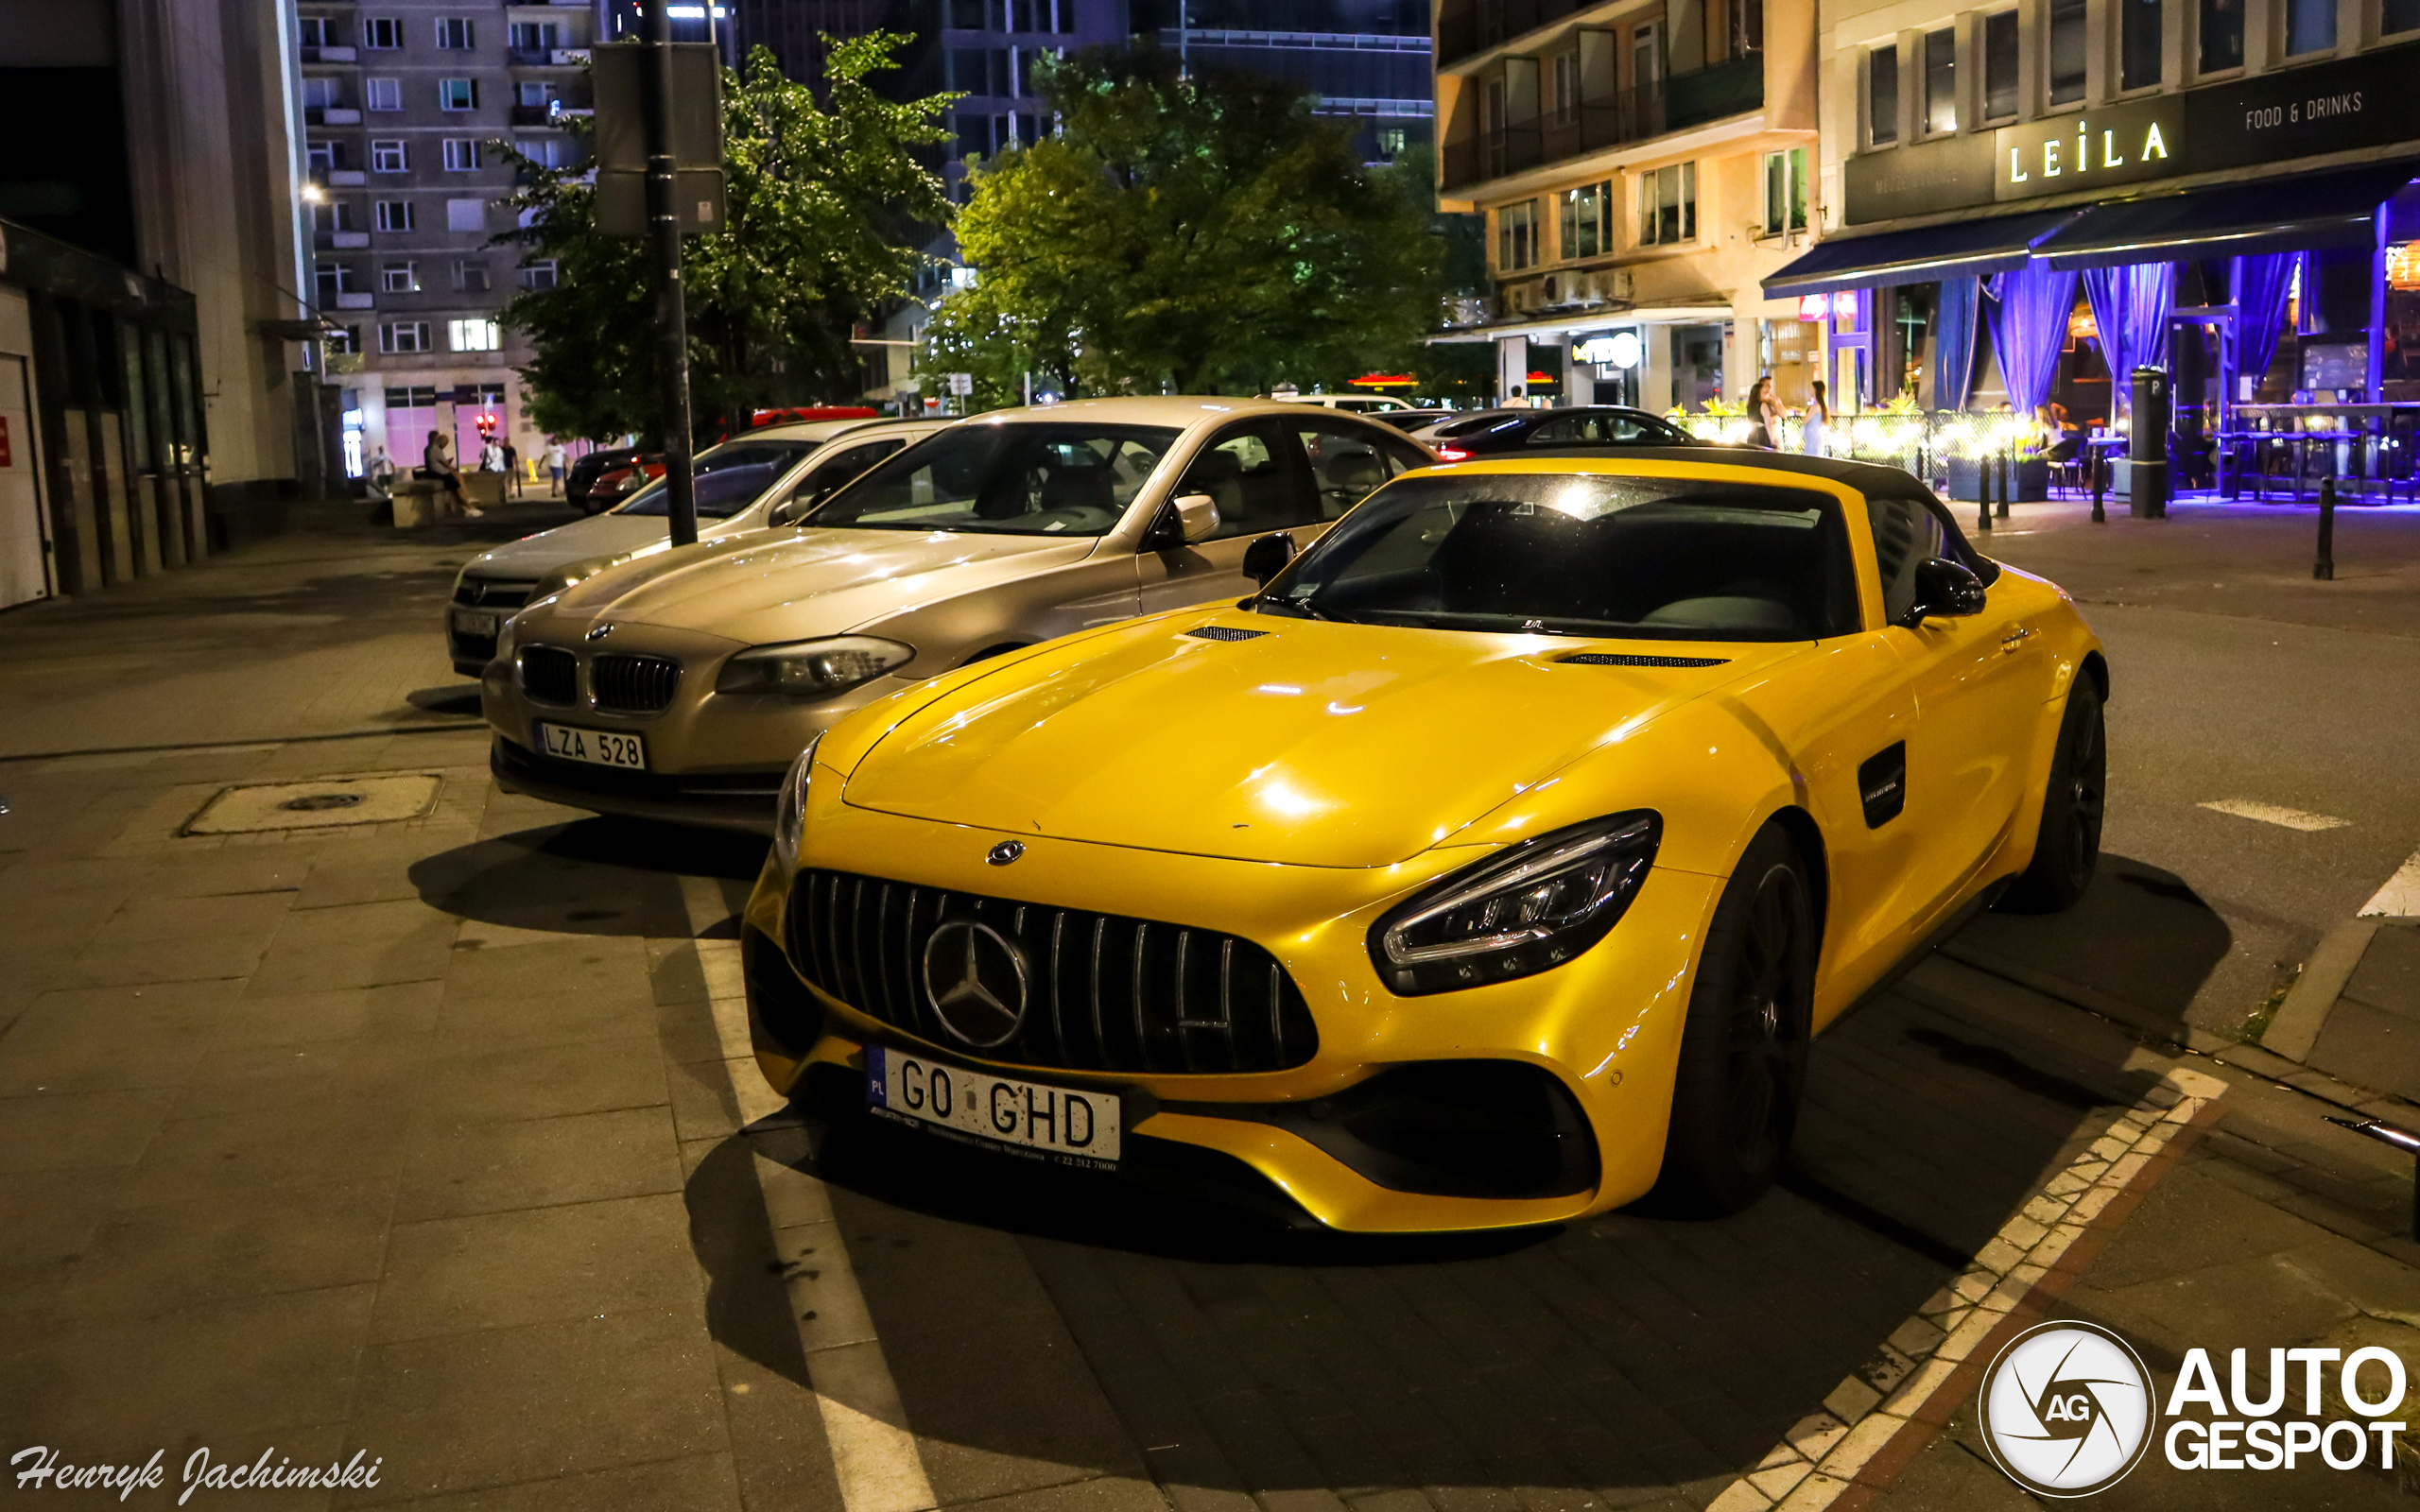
(550, 673)
(633, 684)
(491, 593)
(1103, 992)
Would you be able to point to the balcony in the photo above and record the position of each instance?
(1474, 25)
(536, 114)
(331, 116)
(546, 57)
(344, 178)
(356, 300)
(329, 55)
(1610, 120)
(341, 241)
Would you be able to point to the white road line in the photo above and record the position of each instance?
(2244, 808)
(2400, 897)
(873, 1453)
(1820, 1457)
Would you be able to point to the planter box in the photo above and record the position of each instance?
(2029, 479)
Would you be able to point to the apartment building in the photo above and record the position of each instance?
(2026, 200)
(1642, 165)
(405, 103)
(1366, 61)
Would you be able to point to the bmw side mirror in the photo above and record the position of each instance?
(1266, 558)
(1944, 588)
(1198, 515)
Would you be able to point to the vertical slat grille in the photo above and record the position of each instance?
(550, 673)
(1103, 992)
(633, 684)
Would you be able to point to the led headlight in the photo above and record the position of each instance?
(789, 818)
(812, 669)
(1526, 909)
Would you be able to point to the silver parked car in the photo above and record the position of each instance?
(680, 686)
(741, 484)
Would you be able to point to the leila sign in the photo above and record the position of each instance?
(2124, 145)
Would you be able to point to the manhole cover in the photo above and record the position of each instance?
(317, 804)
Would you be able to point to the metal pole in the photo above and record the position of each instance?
(2005, 471)
(2324, 570)
(671, 308)
(1983, 494)
(2402, 1139)
(2099, 465)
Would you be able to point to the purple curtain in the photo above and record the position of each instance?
(2028, 317)
(1953, 368)
(2259, 286)
(2131, 306)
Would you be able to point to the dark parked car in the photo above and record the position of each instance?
(1494, 432)
(581, 483)
(1411, 419)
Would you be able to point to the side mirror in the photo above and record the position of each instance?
(1197, 516)
(1266, 558)
(1945, 588)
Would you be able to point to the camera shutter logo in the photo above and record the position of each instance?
(2066, 1410)
(975, 981)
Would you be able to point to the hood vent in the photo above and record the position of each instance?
(1624, 659)
(1224, 632)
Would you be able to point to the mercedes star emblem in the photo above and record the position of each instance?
(1006, 851)
(975, 980)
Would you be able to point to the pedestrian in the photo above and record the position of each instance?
(1811, 437)
(555, 466)
(381, 473)
(1764, 416)
(511, 468)
(490, 457)
(436, 464)
(1517, 400)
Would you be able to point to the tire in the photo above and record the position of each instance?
(2067, 849)
(1743, 1049)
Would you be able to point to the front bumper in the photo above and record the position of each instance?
(1384, 1127)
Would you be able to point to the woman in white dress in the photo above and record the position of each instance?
(1819, 420)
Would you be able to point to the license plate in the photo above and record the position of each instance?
(1054, 1123)
(598, 747)
(477, 621)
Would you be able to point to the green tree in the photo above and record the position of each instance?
(824, 204)
(1209, 233)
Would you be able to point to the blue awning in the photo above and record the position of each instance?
(2295, 213)
(1984, 245)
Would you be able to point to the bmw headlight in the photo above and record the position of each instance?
(812, 669)
(505, 636)
(789, 818)
(1526, 909)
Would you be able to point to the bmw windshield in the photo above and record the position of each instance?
(1563, 553)
(1006, 478)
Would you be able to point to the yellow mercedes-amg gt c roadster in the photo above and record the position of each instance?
(1490, 866)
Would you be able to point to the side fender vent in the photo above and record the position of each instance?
(1224, 632)
(1624, 659)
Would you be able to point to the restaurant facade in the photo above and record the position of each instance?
(2022, 204)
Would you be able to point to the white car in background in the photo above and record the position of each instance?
(1358, 404)
(765, 477)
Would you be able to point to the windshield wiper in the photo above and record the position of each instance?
(1273, 603)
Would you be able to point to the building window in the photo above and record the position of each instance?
(548, 151)
(466, 215)
(383, 94)
(534, 37)
(2222, 35)
(394, 214)
(539, 274)
(457, 93)
(1668, 205)
(461, 154)
(1882, 95)
(537, 95)
(318, 93)
(344, 338)
(1785, 191)
(332, 215)
(2069, 33)
(403, 336)
(2311, 27)
(399, 278)
(382, 32)
(2399, 15)
(1566, 87)
(333, 277)
(2000, 65)
(411, 398)
(2138, 40)
(1516, 236)
(453, 34)
(390, 155)
(1391, 140)
(1940, 80)
(474, 335)
(1588, 221)
(313, 31)
(321, 158)
(470, 275)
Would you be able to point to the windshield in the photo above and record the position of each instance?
(1560, 554)
(1011, 478)
(729, 478)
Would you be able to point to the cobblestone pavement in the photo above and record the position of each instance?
(422, 1139)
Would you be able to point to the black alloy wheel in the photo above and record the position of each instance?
(1743, 1051)
(2067, 850)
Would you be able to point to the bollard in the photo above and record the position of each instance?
(2100, 488)
(2325, 569)
(1983, 494)
(2006, 472)
(2402, 1139)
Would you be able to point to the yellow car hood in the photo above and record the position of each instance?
(1315, 744)
(788, 584)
